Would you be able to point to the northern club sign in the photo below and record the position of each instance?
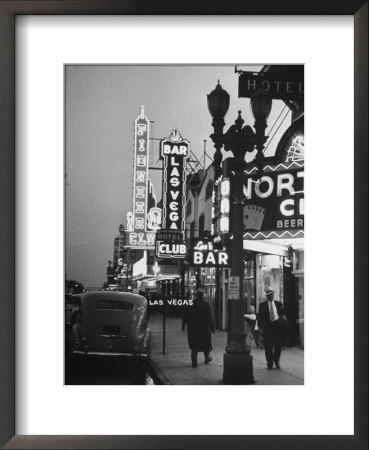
(276, 202)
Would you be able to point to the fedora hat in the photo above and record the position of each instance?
(269, 291)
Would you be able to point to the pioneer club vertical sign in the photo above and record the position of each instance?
(138, 234)
(174, 151)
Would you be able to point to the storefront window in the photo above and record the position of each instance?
(207, 276)
(208, 284)
(190, 282)
(270, 275)
(298, 261)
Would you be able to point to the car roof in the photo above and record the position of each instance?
(136, 299)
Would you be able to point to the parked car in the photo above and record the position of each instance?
(112, 323)
(72, 305)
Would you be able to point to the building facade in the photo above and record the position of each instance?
(273, 244)
(273, 230)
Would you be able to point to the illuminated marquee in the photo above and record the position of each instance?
(174, 151)
(221, 209)
(170, 244)
(170, 250)
(204, 255)
(138, 234)
(225, 189)
(276, 201)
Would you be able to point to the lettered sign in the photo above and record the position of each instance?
(139, 235)
(174, 151)
(279, 86)
(276, 202)
(204, 255)
(233, 288)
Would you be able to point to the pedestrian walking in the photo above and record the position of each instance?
(252, 325)
(270, 321)
(200, 325)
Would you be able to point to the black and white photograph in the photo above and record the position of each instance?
(184, 224)
(157, 267)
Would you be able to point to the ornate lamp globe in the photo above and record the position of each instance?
(261, 105)
(218, 102)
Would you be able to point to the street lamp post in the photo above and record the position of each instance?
(237, 362)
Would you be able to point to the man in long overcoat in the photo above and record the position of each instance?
(270, 320)
(200, 325)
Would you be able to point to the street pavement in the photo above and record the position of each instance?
(174, 366)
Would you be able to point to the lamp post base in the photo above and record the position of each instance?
(237, 369)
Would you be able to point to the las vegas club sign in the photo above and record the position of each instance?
(174, 150)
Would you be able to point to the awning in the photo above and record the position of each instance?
(150, 282)
(274, 247)
(270, 248)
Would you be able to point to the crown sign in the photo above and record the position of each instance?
(253, 217)
(175, 136)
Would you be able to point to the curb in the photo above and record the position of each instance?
(156, 374)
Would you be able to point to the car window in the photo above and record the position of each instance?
(114, 304)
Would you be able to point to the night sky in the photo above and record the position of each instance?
(102, 103)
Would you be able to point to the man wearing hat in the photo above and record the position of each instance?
(270, 321)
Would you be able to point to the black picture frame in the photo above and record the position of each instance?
(8, 10)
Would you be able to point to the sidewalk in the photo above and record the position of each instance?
(174, 367)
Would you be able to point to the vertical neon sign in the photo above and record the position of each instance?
(225, 189)
(174, 151)
(170, 243)
(140, 172)
(139, 236)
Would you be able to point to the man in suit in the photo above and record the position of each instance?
(270, 321)
(200, 325)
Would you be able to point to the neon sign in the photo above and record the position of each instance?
(276, 202)
(221, 209)
(170, 242)
(174, 151)
(225, 189)
(139, 235)
(203, 255)
(170, 250)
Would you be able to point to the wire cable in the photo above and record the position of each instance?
(90, 243)
(271, 139)
(276, 120)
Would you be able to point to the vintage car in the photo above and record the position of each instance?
(112, 323)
